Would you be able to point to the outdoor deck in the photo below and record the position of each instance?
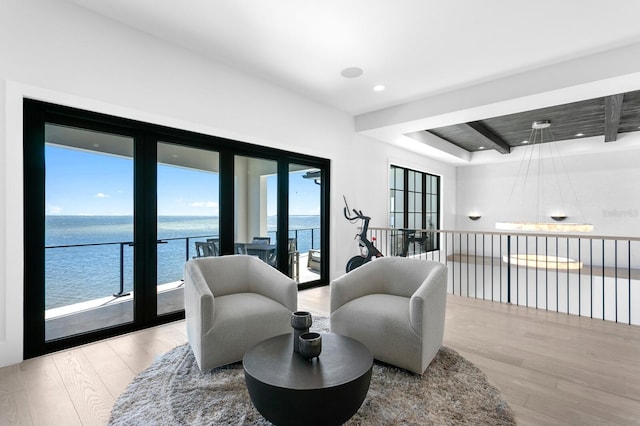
(110, 311)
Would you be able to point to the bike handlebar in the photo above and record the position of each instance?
(358, 214)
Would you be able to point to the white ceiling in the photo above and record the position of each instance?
(416, 48)
(442, 62)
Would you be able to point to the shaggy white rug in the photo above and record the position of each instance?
(173, 391)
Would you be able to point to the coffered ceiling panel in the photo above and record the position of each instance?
(574, 120)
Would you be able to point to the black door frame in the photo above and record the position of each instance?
(146, 136)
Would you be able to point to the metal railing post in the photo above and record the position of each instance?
(121, 292)
(508, 268)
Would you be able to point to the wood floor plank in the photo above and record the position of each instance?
(131, 349)
(90, 397)
(11, 380)
(49, 401)
(112, 370)
(553, 369)
(14, 408)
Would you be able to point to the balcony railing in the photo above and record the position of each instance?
(602, 280)
(106, 269)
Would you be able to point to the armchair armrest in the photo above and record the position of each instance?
(199, 301)
(427, 304)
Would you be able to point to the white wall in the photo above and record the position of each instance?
(61, 53)
(603, 187)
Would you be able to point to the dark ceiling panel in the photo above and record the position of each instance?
(567, 121)
(630, 118)
(459, 136)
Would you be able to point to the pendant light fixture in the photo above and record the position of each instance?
(538, 224)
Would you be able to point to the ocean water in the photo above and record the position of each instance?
(82, 258)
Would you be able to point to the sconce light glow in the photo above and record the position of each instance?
(544, 227)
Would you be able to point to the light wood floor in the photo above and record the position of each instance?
(552, 368)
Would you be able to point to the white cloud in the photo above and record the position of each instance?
(51, 209)
(101, 195)
(209, 204)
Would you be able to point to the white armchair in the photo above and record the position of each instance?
(233, 303)
(395, 306)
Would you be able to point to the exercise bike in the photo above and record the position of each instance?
(367, 250)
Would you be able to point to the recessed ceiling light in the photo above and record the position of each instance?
(579, 134)
(174, 156)
(96, 145)
(525, 141)
(351, 72)
(482, 147)
(378, 88)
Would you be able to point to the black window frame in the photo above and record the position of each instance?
(424, 189)
(37, 113)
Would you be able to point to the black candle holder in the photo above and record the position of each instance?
(300, 321)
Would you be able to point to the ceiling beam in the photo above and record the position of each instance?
(488, 137)
(612, 112)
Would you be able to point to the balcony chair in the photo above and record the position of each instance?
(205, 249)
(232, 303)
(215, 245)
(313, 260)
(261, 240)
(395, 306)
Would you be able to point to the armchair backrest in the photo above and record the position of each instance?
(226, 274)
(402, 276)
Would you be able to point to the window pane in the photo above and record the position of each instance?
(304, 259)
(187, 221)
(399, 178)
(418, 203)
(399, 221)
(399, 201)
(433, 221)
(434, 203)
(422, 197)
(88, 229)
(256, 209)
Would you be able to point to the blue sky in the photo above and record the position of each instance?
(82, 183)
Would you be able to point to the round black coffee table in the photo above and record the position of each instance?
(290, 390)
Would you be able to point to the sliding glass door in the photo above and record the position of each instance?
(188, 210)
(305, 236)
(114, 208)
(88, 230)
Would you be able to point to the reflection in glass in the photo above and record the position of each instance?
(305, 258)
(256, 208)
(188, 212)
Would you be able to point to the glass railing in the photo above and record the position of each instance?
(78, 273)
(306, 238)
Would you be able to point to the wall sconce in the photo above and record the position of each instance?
(474, 216)
(559, 217)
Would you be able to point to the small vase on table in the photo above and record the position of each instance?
(300, 321)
